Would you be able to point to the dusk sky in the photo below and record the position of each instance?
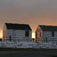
(32, 12)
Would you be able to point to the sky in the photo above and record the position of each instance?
(32, 12)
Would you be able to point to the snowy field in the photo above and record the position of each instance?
(11, 44)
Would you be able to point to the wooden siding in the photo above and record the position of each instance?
(38, 31)
(48, 35)
(19, 35)
(4, 33)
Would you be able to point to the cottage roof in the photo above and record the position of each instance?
(18, 26)
(48, 28)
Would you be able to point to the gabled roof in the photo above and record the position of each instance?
(48, 28)
(18, 26)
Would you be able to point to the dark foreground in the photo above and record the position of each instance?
(28, 52)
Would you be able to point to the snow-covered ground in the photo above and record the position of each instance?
(11, 44)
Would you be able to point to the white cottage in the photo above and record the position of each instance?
(46, 33)
(17, 32)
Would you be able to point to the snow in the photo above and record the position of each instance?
(12, 44)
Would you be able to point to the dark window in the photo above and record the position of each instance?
(9, 38)
(27, 33)
(46, 39)
(52, 34)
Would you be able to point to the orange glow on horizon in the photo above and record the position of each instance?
(1, 33)
(33, 35)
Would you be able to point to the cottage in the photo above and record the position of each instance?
(46, 33)
(17, 32)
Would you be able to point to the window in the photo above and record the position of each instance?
(52, 34)
(27, 33)
(46, 39)
(9, 38)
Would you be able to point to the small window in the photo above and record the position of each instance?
(46, 39)
(9, 38)
(52, 34)
(27, 33)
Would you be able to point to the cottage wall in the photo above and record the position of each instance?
(48, 33)
(47, 36)
(39, 36)
(4, 32)
(18, 35)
